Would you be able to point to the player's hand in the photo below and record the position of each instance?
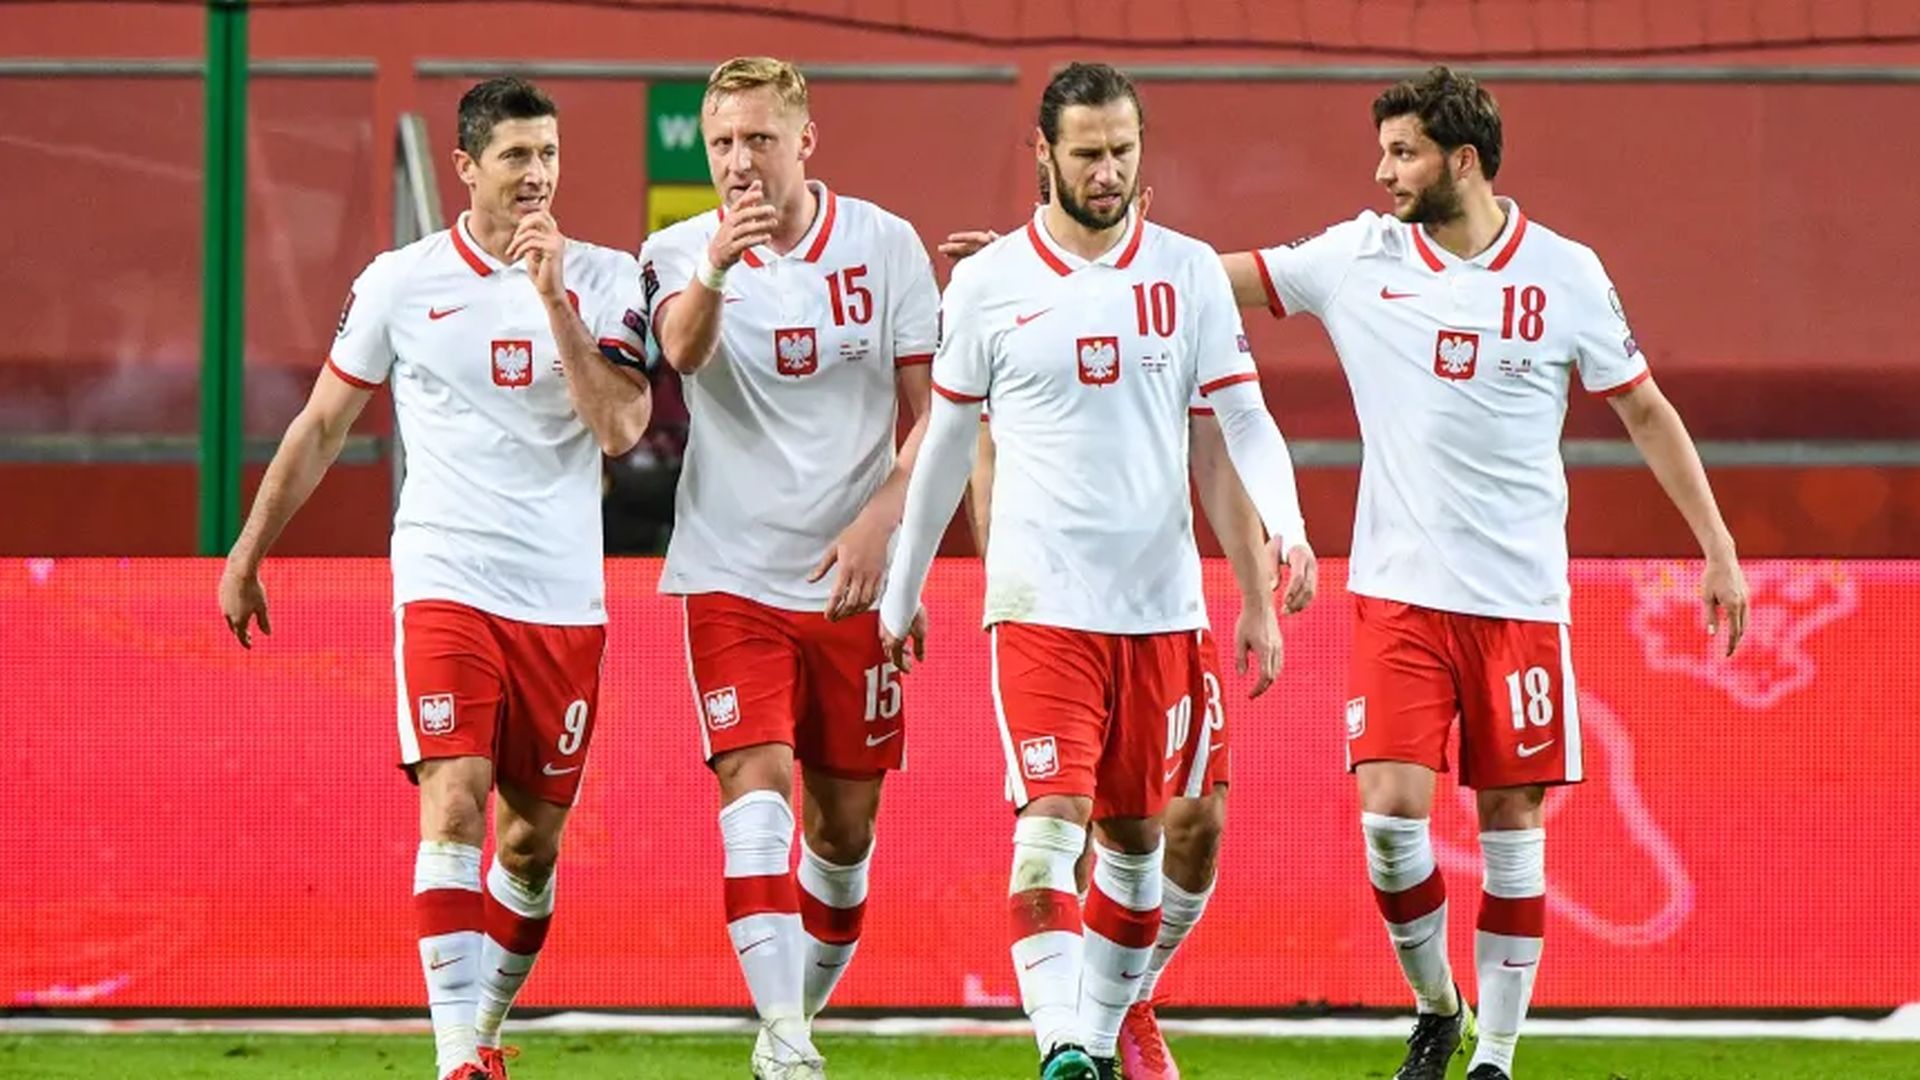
(896, 647)
(1257, 635)
(959, 245)
(1724, 587)
(538, 240)
(749, 222)
(242, 600)
(861, 554)
(1303, 576)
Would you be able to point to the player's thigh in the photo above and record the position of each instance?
(744, 667)
(527, 828)
(1520, 708)
(1402, 694)
(1051, 689)
(852, 710)
(553, 695)
(1160, 726)
(451, 681)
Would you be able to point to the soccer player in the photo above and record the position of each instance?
(1089, 332)
(1196, 816)
(506, 400)
(1461, 325)
(798, 318)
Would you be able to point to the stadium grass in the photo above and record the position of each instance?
(695, 1057)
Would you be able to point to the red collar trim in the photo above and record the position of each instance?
(1513, 242)
(1058, 266)
(826, 224)
(1046, 254)
(1426, 252)
(472, 257)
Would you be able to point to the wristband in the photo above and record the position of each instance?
(712, 276)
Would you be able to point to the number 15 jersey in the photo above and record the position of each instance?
(1460, 370)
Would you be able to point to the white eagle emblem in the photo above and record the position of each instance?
(512, 363)
(1039, 758)
(723, 708)
(795, 351)
(1454, 353)
(436, 714)
(1099, 359)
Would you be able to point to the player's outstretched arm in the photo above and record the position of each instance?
(933, 493)
(309, 447)
(1662, 439)
(1236, 523)
(1243, 272)
(689, 327)
(1265, 468)
(615, 403)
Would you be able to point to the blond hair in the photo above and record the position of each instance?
(753, 72)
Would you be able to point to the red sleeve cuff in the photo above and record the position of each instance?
(1645, 374)
(957, 397)
(349, 379)
(1266, 282)
(1230, 380)
(911, 359)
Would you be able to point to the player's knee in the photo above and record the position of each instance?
(841, 842)
(754, 768)
(1511, 808)
(530, 858)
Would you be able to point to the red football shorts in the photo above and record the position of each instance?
(523, 695)
(1108, 716)
(1213, 763)
(1510, 681)
(765, 675)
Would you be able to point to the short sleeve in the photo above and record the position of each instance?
(962, 367)
(1222, 355)
(610, 303)
(913, 299)
(1609, 359)
(1303, 275)
(362, 352)
(667, 266)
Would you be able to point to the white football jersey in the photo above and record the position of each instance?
(793, 419)
(500, 508)
(1089, 369)
(1460, 370)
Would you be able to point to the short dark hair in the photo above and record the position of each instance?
(1085, 84)
(508, 97)
(1453, 108)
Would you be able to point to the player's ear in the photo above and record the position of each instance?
(463, 165)
(1466, 159)
(809, 140)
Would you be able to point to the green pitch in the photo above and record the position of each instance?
(695, 1057)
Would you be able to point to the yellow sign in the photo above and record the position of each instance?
(668, 203)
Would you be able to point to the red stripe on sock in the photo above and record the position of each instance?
(765, 894)
(1410, 904)
(1037, 911)
(1522, 917)
(833, 925)
(512, 932)
(448, 911)
(1121, 924)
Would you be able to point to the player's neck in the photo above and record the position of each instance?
(796, 221)
(1482, 219)
(1087, 243)
(492, 234)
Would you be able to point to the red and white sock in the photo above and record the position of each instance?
(1123, 919)
(1413, 900)
(1180, 912)
(1045, 914)
(450, 911)
(517, 915)
(763, 908)
(833, 903)
(1508, 938)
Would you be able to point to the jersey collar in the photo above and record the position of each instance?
(810, 245)
(1495, 258)
(470, 250)
(1064, 262)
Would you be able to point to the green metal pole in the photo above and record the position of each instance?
(223, 323)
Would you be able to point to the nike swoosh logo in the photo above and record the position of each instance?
(436, 314)
(551, 771)
(734, 299)
(1528, 751)
(437, 965)
(1389, 294)
(1044, 959)
(1522, 967)
(827, 966)
(1022, 320)
(1132, 974)
(876, 740)
(756, 945)
(1171, 773)
(1214, 748)
(511, 974)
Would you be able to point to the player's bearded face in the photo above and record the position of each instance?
(1094, 167)
(1435, 204)
(519, 171)
(752, 136)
